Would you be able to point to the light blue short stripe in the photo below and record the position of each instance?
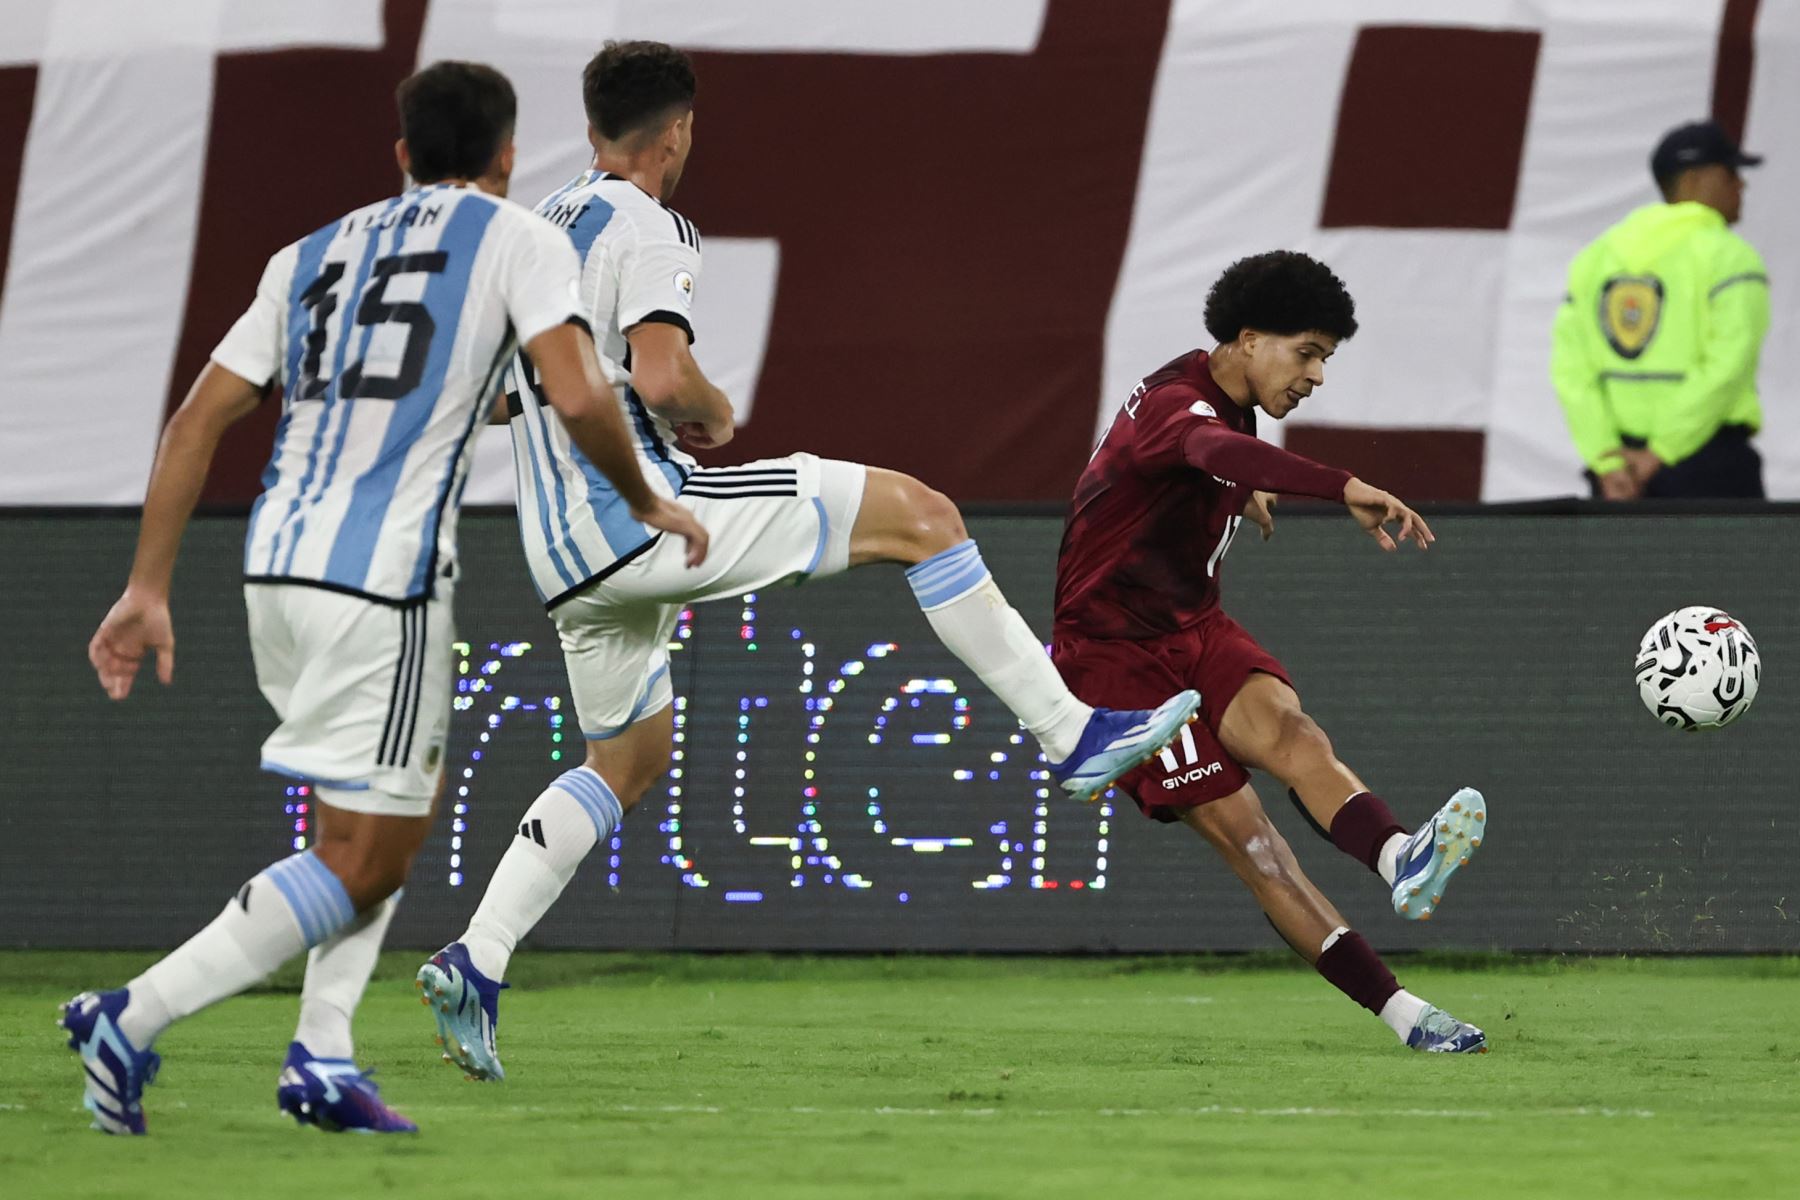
(824, 536)
(637, 709)
(342, 785)
(299, 902)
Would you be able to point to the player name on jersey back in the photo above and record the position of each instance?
(387, 331)
(640, 263)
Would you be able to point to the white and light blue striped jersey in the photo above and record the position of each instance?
(640, 262)
(388, 330)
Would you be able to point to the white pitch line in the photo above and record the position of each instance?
(1210, 1110)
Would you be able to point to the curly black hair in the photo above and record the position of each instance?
(455, 116)
(1282, 291)
(630, 84)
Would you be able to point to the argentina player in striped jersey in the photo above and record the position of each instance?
(385, 330)
(615, 588)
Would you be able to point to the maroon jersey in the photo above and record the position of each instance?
(1147, 532)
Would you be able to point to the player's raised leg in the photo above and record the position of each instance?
(1265, 726)
(1239, 829)
(902, 520)
(579, 810)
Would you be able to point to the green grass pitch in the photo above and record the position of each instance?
(751, 1076)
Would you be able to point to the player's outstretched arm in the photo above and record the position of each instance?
(1211, 447)
(140, 620)
(1375, 509)
(665, 375)
(571, 380)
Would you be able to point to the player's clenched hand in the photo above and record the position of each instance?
(705, 435)
(1260, 510)
(674, 518)
(1375, 509)
(135, 624)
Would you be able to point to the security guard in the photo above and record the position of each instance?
(1656, 343)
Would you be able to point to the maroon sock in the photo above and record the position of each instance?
(1353, 968)
(1362, 827)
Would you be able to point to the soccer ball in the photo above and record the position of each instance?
(1698, 668)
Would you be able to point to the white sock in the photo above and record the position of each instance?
(1401, 1012)
(337, 971)
(1388, 860)
(975, 622)
(573, 815)
(294, 904)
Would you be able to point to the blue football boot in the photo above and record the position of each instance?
(1443, 845)
(466, 1005)
(114, 1071)
(1116, 740)
(1437, 1032)
(333, 1094)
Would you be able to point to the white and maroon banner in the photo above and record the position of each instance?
(942, 236)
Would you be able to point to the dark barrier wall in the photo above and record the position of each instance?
(844, 783)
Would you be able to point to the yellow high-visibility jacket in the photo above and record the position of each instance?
(1659, 335)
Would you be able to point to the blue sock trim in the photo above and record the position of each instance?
(596, 799)
(313, 894)
(342, 910)
(300, 900)
(948, 575)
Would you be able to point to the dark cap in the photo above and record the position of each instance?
(1700, 144)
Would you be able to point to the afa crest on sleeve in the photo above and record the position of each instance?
(1630, 308)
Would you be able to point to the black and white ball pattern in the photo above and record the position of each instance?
(1698, 668)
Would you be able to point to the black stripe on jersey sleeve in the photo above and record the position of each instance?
(663, 316)
(680, 226)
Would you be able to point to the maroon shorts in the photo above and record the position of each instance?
(1215, 658)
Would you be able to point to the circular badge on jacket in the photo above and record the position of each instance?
(1630, 308)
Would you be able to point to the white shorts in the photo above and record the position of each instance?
(615, 634)
(362, 690)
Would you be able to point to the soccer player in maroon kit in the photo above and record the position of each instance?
(1137, 615)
